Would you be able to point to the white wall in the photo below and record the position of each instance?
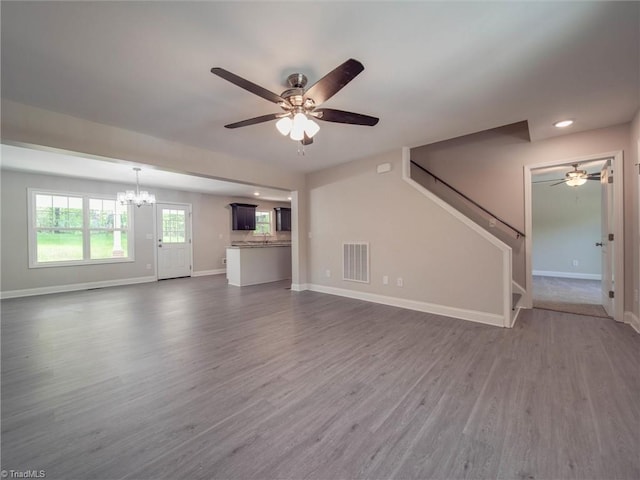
(442, 262)
(211, 227)
(566, 226)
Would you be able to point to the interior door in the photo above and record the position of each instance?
(608, 274)
(173, 229)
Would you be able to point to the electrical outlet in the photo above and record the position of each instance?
(492, 222)
(327, 273)
(575, 263)
(400, 282)
(224, 260)
(385, 280)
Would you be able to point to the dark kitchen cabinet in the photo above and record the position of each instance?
(243, 216)
(283, 219)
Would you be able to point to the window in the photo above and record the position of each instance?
(70, 229)
(263, 223)
(173, 226)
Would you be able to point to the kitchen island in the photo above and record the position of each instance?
(251, 263)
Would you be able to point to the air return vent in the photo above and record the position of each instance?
(355, 262)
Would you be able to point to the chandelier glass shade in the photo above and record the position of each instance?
(297, 126)
(137, 197)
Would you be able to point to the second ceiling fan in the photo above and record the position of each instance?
(299, 105)
(574, 178)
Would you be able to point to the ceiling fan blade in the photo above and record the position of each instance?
(547, 181)
(253, 121)
(306, 140)
(340, 116)
(247, 85)
(559, 183)
(332, 82)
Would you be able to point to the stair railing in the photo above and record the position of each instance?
(517, 232)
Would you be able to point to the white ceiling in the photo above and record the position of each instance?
(433, 70)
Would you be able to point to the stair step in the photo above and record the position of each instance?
(515, 298)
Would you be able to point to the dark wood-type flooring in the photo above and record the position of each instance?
(190, 378)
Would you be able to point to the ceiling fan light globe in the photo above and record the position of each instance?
(311, 128)
(284, 125)
(299, 120)
(297, 134)
(576, 181)
(580, 181)
(297, 129)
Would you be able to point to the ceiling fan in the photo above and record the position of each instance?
(574, 178)
(299, 105)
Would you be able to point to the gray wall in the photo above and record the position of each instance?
(488, 167)
(441, 261)
(211, 228)
(566, 226)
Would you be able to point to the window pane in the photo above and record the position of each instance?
(102, 213)
(58, 246)
(173, 226)
(263, 223)
(108, 244)
(263, 217)
(58, 211)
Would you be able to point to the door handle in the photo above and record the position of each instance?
(598, 244)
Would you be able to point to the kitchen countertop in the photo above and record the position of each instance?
(259, 244)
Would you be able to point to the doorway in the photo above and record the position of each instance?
(173, 234)
(572, 262)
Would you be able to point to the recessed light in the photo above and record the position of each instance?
(288, 198)
(256, 193)
(563, 123)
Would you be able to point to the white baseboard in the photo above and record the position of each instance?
(299, 287)
(74, 287)
(463, 314)
(579, 276)
(633, 320)
(204, 273)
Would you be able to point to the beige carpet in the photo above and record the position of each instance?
(569, 295)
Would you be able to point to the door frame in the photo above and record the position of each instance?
(617, 164)
(155, 232)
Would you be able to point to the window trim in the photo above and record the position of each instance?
(32, 230)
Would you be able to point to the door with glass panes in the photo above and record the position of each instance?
(173, 227)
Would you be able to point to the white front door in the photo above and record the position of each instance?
(173, 233)
(607, 246)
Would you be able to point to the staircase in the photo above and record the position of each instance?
(506, 236)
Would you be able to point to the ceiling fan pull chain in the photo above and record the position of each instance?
(301, 149)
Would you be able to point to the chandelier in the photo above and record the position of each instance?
(137, 198)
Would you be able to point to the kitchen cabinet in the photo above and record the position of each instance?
(243, 216)
(283, 219)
